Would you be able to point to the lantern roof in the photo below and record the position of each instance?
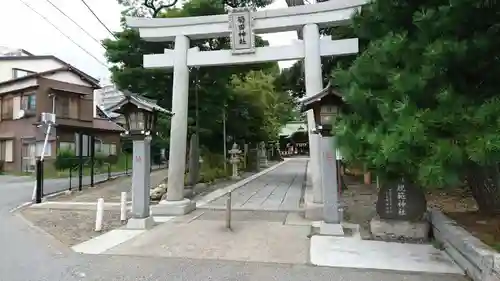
(328, 95)
(140, 102)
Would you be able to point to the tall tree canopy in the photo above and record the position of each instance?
(218, 87)
(423, 96)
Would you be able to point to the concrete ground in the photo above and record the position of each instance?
(252, 238)
(355, 253)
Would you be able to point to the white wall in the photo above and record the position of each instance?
(97, 101)
(68, 77)
(36, 65)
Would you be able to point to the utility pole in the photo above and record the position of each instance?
(224, 136)
(197, 104)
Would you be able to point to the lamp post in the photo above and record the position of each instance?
(140, 120)
(325, 106)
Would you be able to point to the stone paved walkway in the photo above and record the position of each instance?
(278, 190)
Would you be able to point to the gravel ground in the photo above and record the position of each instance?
(359, 201)
(110, 190)
(71, 227)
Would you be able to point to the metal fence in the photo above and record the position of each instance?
(84, 172)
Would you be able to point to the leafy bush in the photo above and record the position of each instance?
(111, 159)
(212, 167)
(208, 176)
(65, 160)
(100, 159)
(213, 159)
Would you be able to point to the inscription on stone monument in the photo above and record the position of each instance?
(401, 201)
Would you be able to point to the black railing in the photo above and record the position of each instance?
(85, 173)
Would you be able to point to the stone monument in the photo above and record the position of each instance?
(193, 162)
(234, 153)
(401, 213)
(253, 164)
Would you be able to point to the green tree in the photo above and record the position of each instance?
(423, 96)
(258, 109)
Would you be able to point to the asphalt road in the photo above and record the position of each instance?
(27, 254)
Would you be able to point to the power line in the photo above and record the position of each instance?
(79, 26)
(60, 31)
(100, 21)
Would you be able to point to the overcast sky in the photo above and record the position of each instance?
(23, 28)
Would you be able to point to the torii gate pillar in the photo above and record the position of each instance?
(314, 85)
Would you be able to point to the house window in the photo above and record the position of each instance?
(105, 149)
(48, 149)
(28, 102)
(7, 108)
(7, 150)
(18, 73)
(62, 108)
(98, 145)
(112, 150)
(67, 146)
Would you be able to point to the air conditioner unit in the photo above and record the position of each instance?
(48, 118)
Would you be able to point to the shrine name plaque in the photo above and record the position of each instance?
(401, 201)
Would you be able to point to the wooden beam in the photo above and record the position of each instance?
(295, 51)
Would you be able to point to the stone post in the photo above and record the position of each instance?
(313, 85)
(141, 218)
(194, 161)
(367, 177)
(245, 156)
(331, 210)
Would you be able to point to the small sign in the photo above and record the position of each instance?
(138, 159)
(241, 26)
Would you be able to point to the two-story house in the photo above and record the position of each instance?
(30, 85)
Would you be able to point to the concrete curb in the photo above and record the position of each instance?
(23, 205)
(479, 261)
(221, 208)
(57, 194)
(78, 206)
(221, 192)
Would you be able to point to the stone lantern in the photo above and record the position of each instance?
(140, 116)
(234, 159)
(326, 105)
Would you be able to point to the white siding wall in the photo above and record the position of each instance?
(37, 65)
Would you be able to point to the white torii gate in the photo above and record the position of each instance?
(308, 18)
